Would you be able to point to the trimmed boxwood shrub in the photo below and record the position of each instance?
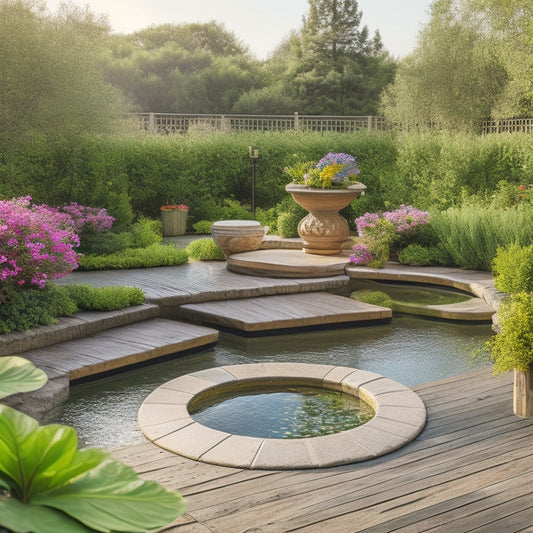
(152, 256)
(110, 298)
(32, 307)
(205, 250)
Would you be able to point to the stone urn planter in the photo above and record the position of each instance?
(323, 230)
(234, 236)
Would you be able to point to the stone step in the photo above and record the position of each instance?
(74, 327)
(106, 351)
(283, 312)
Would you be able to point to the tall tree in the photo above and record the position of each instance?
(337, 64)
(455, 75)
(190, 68)
(510, 23)
(50, 66)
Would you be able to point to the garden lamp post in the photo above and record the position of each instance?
(254, 154)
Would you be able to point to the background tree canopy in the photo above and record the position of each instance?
(329, 66)
(65, 75)
(473, 60)
(51, 71)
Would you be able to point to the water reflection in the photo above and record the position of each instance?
(409, 350)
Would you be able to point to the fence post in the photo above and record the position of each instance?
(151, 122)
(296, 121)
(369, 122)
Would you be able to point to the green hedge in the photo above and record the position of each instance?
(136, 174)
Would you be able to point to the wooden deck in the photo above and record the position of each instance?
(471, 469)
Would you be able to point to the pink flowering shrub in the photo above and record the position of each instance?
(36, 243)
(378, 233)
(406, 218)
(365, 221)
(361, 255)
(88, 218)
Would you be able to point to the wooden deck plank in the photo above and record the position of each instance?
(470, 467)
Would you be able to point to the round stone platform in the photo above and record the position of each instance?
(283, 263)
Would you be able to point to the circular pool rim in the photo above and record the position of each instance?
(400, 416)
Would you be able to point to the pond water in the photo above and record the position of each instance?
(280, 413)
(409, 350)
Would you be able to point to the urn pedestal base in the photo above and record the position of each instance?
(323, 233)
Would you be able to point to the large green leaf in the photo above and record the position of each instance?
(37, 458)
(111, 497)
(15, 428)
(19, 375)
(23, 518)
(42, 466)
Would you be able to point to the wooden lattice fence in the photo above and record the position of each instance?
(170, 123)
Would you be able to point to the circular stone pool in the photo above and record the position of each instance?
(165, 419)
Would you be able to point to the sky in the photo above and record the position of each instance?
(260, 24)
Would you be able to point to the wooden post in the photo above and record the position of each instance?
(523, 393)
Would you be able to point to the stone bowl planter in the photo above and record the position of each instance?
(234, 236)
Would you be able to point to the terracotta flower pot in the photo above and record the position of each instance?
(323, 230)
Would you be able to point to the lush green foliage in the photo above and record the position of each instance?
(142, 234)
(471, 235)
(418, 255)
(513, 269)
(56, 487)
(52, 81)
(472, 61)
(203, 227)
(35, 307)
(513, 346)
(28, 308)
(89, 298)
(152, 256)
(332, 66)
(19, 375)
(138, 174)
(192, 68)
(290, 214)
(204, 250)
(372, 297)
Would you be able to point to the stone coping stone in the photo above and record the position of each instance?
(400, 416)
